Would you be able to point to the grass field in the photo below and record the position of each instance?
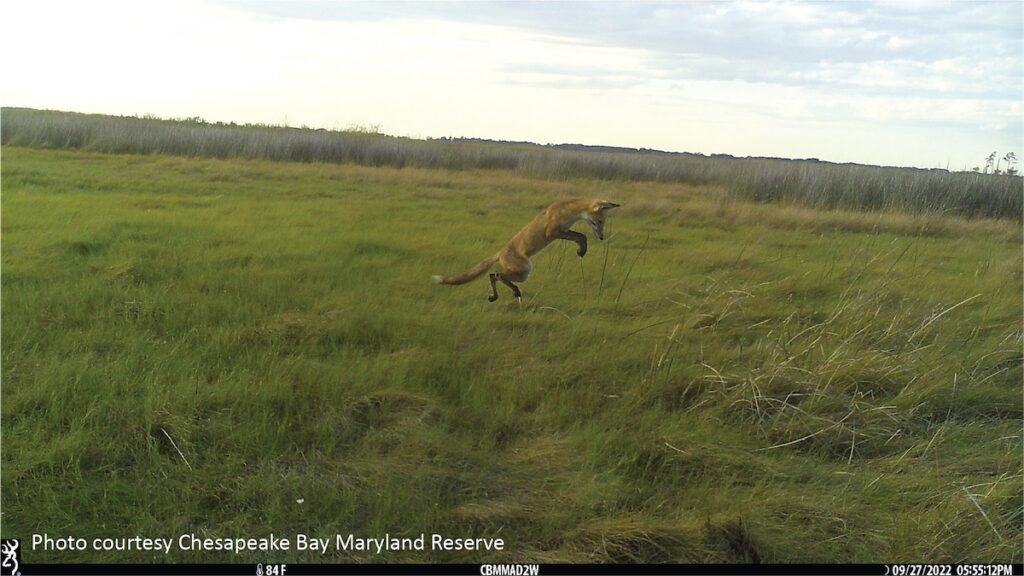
(232, 348)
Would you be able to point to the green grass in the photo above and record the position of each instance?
(194, 346)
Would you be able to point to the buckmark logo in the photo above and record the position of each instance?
(10, 557)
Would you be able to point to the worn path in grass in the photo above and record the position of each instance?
(239, 348)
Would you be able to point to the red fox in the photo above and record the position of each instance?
(554, 222)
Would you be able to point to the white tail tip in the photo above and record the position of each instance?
(438, 278)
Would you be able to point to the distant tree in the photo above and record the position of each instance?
(1010, 159)
(990, 161)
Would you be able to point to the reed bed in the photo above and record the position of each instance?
(797, 182)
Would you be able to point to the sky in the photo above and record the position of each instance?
(932, 84)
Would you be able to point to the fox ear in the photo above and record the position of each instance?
(608, 205)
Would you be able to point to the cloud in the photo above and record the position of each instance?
(753, 41)
(763, 78)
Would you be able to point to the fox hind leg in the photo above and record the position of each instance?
(494, 289)
(515, 269)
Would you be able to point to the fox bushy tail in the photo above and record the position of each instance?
(471, 274)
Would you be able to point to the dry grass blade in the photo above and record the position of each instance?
(178, 450)
(983, 514)
(941, 314)
(630, 269)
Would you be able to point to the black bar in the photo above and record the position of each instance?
(522, 569)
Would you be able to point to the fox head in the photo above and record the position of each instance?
(596, 214)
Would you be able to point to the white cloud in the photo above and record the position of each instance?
(897, 43)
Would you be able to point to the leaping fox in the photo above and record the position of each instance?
(554, 222)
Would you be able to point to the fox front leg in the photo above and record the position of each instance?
(575, 237)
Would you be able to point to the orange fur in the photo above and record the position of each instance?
(554, 222)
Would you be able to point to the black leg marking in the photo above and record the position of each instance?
(575, 237)
(494, 289)
(582, 241)
(515, 289)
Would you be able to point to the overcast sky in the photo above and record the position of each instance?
(896, 83)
